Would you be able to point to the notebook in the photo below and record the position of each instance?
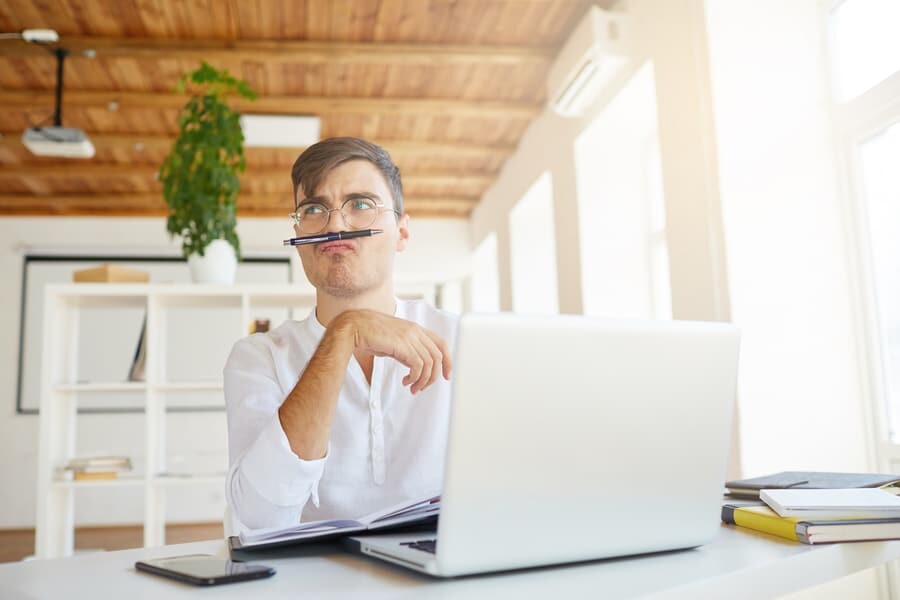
(749, 488)
(764, 519)
(833, 504)
(399, 515)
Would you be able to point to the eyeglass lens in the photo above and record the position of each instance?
(358, 213)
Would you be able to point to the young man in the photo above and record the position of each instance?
(344, 412)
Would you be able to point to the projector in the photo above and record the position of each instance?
(67, 142)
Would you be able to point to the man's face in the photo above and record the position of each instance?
(347, 268)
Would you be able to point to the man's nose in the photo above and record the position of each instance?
(336, 222)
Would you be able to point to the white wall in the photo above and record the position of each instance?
(438, 251)
(800, 400)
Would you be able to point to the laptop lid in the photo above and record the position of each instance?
(573, 438)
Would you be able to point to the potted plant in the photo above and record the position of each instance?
(200, 175)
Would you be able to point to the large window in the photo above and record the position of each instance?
(865, 45)
(864, 51)
(532, 245)
(879, 161)
(625, 266)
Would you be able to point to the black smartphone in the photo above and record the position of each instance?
(204, 569)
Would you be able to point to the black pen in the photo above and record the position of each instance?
(331, 237)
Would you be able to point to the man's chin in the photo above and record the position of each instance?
(340, 284)
(341, 291)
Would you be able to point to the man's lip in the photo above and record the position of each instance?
(337, 245)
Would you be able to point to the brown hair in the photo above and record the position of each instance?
(319, 159)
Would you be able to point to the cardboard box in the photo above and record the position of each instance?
(107, 273)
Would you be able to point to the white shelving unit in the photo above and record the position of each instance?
(54, 534)
(60, 389)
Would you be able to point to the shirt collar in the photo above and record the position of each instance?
(317, 329)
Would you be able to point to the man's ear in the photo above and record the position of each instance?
(402, 232)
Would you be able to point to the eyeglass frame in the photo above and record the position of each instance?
(379, 205)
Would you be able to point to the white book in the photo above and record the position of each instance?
(859, 503)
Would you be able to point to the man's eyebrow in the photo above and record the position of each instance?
(355, 195)
(350, 196)
(314, 199)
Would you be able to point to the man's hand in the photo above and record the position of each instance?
(422, 351)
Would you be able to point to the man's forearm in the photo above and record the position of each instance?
(307, 413)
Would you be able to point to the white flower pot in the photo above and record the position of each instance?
(217, 265)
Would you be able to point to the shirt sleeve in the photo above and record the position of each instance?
(267, 484)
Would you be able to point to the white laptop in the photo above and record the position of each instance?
(573, 439)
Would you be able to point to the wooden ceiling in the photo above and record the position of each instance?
(447, 86)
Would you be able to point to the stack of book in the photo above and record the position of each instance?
(97, 467)
(801, 509)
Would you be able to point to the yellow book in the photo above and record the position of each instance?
(761, 518)
(807, 531)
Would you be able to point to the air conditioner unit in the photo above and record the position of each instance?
(597, 51)
(66, 142)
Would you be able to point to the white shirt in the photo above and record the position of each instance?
(386, 445)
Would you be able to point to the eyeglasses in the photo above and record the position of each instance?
(358, 213)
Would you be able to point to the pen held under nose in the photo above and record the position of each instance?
(331, 237)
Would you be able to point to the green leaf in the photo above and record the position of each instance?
(200, 174)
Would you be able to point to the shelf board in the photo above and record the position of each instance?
(137, 480)
(124, 481)
(139, 386)
(101, 386)
(188, 386)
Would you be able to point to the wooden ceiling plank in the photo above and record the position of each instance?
(97, 171)
(294, 52)
(284, 104)
(144, 149)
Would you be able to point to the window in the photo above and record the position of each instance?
(485, 283)
(865, 47)
(533, 250)
(660, 289)
(625, 270)
(865, 58)
(879, 159)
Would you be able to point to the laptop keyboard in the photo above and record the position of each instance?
(423, 545)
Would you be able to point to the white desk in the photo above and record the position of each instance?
(738, 564)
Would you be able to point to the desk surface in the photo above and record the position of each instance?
(737, 564)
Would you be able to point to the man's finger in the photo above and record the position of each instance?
(436, 360)
(417, 365)
(446, 360)
(427, 366)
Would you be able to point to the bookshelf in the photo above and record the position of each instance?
(60, 389)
